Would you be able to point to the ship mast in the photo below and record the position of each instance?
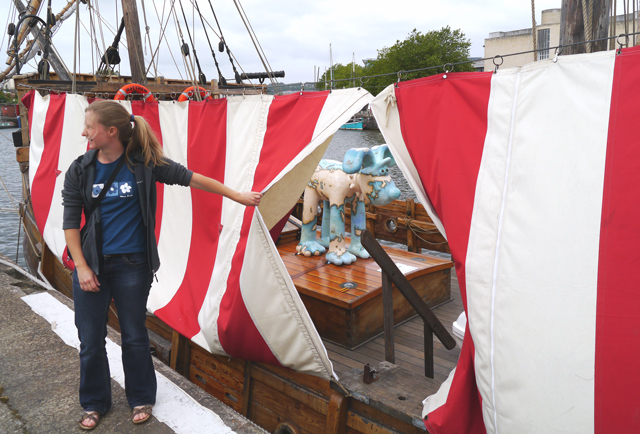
(577, 25)
(134, 40)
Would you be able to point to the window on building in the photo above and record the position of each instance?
(543, 44)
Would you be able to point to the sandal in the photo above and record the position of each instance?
(90, 415)
(145, 409)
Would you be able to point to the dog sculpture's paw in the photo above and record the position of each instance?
(345, 259)
(310, 248)
(359, 251)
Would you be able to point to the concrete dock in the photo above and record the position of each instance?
(39, 374)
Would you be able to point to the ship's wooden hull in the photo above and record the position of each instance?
(277, 399)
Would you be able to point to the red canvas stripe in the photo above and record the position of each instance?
(617, 380)
(206, 152)
(237, 332)
(149, 111)
(44, 180)
(290, 125)
(444, 124)
(463, 411)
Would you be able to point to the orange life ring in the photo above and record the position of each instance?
(130, 88)
(188, 93)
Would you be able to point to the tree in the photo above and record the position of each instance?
(418, 51)
(343, 76)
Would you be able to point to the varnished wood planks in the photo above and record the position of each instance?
(408, 344)
(350, 315)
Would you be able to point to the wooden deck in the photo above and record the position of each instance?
(345, 302)
(408, 344)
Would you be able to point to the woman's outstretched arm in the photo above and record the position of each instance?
(247, 198)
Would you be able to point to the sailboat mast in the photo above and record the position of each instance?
(331, 66)
(134, 41)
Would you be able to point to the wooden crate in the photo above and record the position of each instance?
(351, 316)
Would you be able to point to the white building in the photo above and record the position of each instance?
(547, 35)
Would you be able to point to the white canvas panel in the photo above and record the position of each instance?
(543, 203)
(174, 237)
(72, 146)
(36, 145)
(276, 308)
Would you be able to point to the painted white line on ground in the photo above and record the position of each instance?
(174, 407)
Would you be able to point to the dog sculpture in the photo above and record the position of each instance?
(362, 177)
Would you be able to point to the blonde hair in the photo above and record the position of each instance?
(138, 140)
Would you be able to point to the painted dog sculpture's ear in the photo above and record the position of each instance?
(381, 153)
(353, 158)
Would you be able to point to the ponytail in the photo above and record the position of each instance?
(134, 132)
(144, 142)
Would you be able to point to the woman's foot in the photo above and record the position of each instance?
(89, 420)
(141, 413)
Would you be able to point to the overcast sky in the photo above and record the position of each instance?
(295, 34)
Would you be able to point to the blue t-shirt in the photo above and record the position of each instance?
(122, 223)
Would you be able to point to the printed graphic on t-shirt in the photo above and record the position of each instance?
(97, 188)
(113, 190)
(125, 189)
(122, 189)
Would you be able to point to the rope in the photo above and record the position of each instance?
(15, 208)
(104, 45)
(25, 273)
(213, 53)
(625, 7)
(415, 230)
(93, 37)
(193, 46)
(634, 21)
(189, 68)
(265, 62)
(612, 26)
(75, 46)
(451, 65)
(18, 243)
(4, 34)
(147, 28)
(162, 35)
(7, 73)
(533, 30)
(224, 41)
(587, 18)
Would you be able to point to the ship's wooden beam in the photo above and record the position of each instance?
(92, 88)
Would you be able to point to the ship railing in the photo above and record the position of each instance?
(391, 275)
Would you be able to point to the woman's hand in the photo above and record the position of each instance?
(249, 198)
(88, 279)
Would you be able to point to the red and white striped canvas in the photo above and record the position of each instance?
(533, 173)
(222, 282)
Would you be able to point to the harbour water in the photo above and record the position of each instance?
(344, 140)
(10, 174)
(10, 197)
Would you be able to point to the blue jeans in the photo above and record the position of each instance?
(125, 279)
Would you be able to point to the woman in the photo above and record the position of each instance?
(127, 253)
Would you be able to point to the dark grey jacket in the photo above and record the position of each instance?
(78, 185)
